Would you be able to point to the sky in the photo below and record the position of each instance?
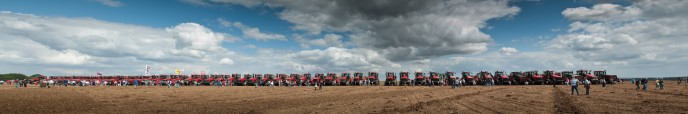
(639, 38)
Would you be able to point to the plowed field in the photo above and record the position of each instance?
(619, 98)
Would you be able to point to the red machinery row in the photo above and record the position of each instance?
(357, 78)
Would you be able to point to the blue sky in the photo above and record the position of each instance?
(340, 36)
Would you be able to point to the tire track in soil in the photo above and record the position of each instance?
(420, 105)
(564, 103)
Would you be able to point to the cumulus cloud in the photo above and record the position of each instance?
(400, 30)
(255, 33)
(508, 50)
(643, 34)
(91, 44)
(602, 12)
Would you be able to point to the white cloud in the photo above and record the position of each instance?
(628, 38)
(508, 50)
(226, 61)
(602, 12)
(87, 44)
(255, 33)
(111, 3)
(329, 40)
(197, 37)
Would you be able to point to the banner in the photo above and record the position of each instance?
(148, 69)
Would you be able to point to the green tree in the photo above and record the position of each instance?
(12, 76)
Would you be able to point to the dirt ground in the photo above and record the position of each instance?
(620, 98)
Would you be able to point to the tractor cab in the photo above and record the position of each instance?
(555, 77)
(420, 76)
(502, 78)
(518, 77)
(404, 78)
(469, 79)
(358, 76)
(450, 75)
(535, 77)
(293, 77)
(602, 75)
(390, 79)
(485, 75)
(585, 74)
(329, 79)
(318, 77)
(305, 79)
(567, 74)
(435, 76)
(372, 76)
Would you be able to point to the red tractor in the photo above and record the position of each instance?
(502, 78)
(330, 79)
(318, 77)
(358, 77)
(244, 79)
(234, 79)
(535, 77)
(344, 79)
(435, 78)
(449, 77)
(293, 78)
(404, 78)
(585, 74)
(554, 77)
(281, 79)
(420, 79)
(519, 77)
(267, 78)
(485, 77)
(391, 80)
(469, 79)
(304, 80)
(372, 77)
(610, 79)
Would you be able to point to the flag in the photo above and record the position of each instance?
(148, 69)
(177, 71)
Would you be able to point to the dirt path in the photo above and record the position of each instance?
(564, 102)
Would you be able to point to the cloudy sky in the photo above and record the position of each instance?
(81, 37)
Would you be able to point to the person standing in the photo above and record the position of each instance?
(316, 85)
(321, 85)
(453, 83)
(656, 83)
(586, 83)
(16, 83)
(644, 82)
(637, 84)
(136, 83)
(574, 86)
(169, 83)
(177, 83)
(661, 84)
(604, 83)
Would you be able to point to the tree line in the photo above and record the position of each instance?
(12, 76)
